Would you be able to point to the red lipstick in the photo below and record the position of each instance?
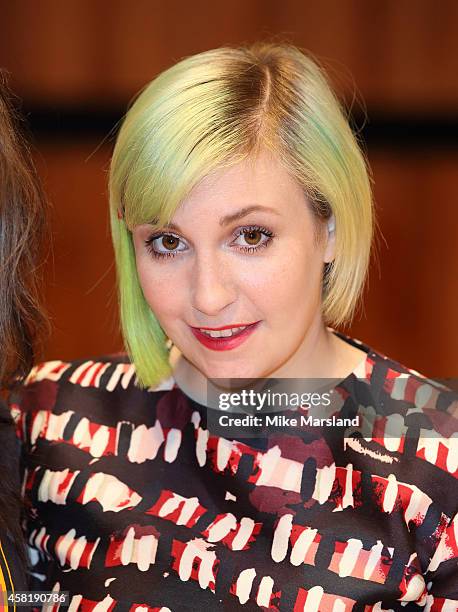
(224, 344)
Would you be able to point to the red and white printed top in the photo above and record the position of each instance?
(133, 504)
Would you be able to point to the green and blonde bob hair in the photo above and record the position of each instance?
(216, 109)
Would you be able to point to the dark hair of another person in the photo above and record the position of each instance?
(22, 322)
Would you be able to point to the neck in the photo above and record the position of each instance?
(314, 356)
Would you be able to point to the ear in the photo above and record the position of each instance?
(329, 252)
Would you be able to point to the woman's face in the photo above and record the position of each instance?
(244, 248)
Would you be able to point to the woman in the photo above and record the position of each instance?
(242, 222)
(22, 222)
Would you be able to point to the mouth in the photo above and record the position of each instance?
(224, 338)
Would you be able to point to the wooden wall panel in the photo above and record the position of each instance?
(403, 55)
(410, 304)
(80, 275)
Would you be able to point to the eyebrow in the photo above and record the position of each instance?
(227, 219)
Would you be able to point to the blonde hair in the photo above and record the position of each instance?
(218, 108)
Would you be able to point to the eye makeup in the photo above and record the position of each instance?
(154, 240)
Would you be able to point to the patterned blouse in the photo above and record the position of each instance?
(134, 505)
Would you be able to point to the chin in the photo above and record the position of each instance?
(231, 371)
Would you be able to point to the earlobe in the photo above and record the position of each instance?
(329, 252)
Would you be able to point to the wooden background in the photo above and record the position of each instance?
(77, 63)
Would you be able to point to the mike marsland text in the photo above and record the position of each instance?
(281, 420)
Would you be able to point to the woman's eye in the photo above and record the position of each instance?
(164, 245)
(253, 238)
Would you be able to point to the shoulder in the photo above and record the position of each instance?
(409, 390)
(394, 383)
(107, 372)
(413, 417)
(99, 389)
(410, 423)
(97, 372)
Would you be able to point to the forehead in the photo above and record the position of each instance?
(260, 181)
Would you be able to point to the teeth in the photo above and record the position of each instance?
(223, 333)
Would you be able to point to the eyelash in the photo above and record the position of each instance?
(244, 230)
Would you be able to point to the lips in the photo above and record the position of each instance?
(224, 343)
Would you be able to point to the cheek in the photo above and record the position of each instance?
(161, 289)
(283, 282)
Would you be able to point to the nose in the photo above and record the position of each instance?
(212, 286)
